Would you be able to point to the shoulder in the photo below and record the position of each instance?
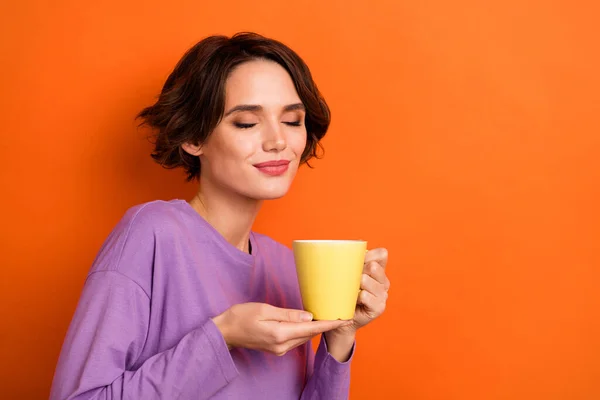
(131, 245)
(153, 216)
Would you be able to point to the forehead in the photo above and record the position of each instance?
(260, 82)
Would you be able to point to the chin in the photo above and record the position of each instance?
(274, 195)
(271, 193)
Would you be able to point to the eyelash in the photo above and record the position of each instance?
(243, 126)
(248, 126)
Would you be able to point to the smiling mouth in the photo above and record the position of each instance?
(273, 168)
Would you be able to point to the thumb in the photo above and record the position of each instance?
(272, 313)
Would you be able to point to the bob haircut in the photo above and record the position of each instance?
(192, 101)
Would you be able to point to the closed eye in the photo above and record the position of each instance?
(293, 123)
(243, 126)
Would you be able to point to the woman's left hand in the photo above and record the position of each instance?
(371, 302)
(374, 287)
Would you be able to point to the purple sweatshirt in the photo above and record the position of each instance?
(142, 327)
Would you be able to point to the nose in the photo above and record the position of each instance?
(274, 138)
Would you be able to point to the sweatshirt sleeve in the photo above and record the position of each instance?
(101, 357)
(106, 337)
(328, 379)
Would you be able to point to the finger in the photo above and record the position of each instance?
(379, 255)
(370, 302)
(372, 286)
(271, 313)
(291, 331)
(376, 271)
(283, 348)
(365, 298)
(298, 342)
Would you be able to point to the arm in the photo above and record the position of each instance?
(106, 337)
(328, 378)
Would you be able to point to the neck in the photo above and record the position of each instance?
(231, 215)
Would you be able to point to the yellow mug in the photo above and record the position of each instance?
(329, 274)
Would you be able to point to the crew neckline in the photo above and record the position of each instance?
(219, 238)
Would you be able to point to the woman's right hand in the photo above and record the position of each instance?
(264, 327)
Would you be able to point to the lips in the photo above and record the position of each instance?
(273, 168)
(276, 163)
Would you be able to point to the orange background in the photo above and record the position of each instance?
(465, 138)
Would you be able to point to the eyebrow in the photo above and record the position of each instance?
(256, 108)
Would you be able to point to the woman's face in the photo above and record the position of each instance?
(255, 150)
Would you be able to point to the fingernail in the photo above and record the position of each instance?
(306, 317)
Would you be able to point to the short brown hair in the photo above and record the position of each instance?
(192, 101)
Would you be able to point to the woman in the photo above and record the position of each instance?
(184, 300)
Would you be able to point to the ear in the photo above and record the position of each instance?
(193, 149)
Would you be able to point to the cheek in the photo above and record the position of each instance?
(231, 148)
(243, 147)
(297, 143)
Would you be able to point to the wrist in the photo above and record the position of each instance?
(348, 336)
(339, 344)
(221, 324)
